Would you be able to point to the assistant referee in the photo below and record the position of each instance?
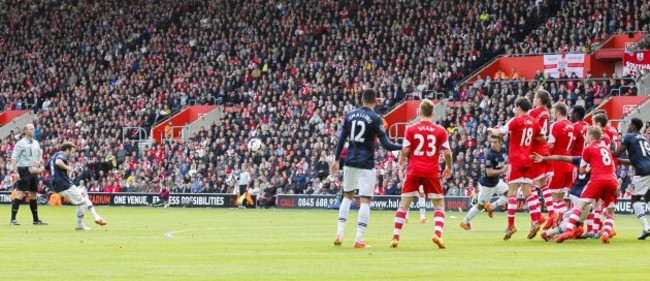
(27, 163)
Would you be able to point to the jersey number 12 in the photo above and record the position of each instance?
(362, 129)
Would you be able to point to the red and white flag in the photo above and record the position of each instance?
(568, 63)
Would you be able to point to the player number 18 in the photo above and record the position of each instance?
(526, 137)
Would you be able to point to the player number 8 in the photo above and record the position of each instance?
(606, 159)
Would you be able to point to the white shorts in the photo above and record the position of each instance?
(485, 193)
(641, 185)
(74, 194)
(361, 179)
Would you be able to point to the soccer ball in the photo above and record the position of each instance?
(254, 145)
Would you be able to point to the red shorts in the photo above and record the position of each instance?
(519, 174)
(431, 186)
(562, 178)
(601, 189)
(541, 170)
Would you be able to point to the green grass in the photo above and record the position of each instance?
(230, 244)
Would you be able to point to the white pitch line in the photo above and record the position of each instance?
(170, 234)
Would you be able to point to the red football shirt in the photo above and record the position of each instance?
(580, 129)
(600, 158)
(612, 133)
(562, 136)
(523, 130)
(543, 117)
(425, 140)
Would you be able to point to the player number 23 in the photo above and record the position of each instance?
(431, 143)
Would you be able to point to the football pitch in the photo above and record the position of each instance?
(232, 244)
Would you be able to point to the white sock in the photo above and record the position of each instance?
(471, 214)
(91, 208)
(574, 200)
(639, 211)
(344, 209)
(554, 231)
(81, 212)
(500, 202)
(422, 204)
(364, 216)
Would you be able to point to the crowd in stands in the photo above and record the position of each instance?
(581, 25)
(287, 71)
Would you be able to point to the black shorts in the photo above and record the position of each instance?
(27, 181)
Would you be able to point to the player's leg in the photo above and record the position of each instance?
(511, 209)
(366, 183)
(516, 176)
(533, 209)
(400, 217)
(591, 194)
(609, 204)
(560, 183)
(22, 187)
(502, 191)
(639, 199)
(73, 194)
(33, 196)
(597, 222)
(484, 194)
(91, 208)
(349, 186)
(433, 190)
(422, 205)
(543, 174)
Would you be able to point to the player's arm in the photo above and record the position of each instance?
(383, 137)
(387, 144)
(404, 155)
(14, 159)
(494, 132)
(624, 161)
(334, 168)
(495, 172)
(501, 130)
(59, 163)
(551, 137)
(560, 158)
(620, 149)
(446, 153)
(584, 164)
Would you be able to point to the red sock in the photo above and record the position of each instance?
(590, 222)
(561, 207)
(574, 219)
(533, 207)
(400, 217)
(439, 222)
(598, 223)
(512, 209)
(609, 224)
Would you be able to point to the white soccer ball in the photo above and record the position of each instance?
(255, 145)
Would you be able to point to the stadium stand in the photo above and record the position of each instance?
(286, 72)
